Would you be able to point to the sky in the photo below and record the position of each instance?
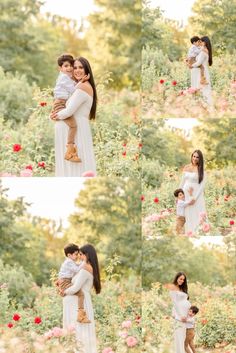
(70, 8)
(178, 10)
(51, 198)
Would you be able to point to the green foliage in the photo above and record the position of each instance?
(117, 29)
(173, 254)
(217, 19)
(109, 215)
(15, 99)
(19, 286)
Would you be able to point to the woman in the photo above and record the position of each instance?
(193, 184)
(82, 105)
(179, 295)
(204, 58)
(87, 278)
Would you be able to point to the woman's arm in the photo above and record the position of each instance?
(200, 59)
(77, 99)
(80, 280)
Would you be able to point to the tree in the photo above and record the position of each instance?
(114, 39)
(109, 217)
(215, 18)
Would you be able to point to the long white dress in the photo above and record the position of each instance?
(78, 105)
(192, 212)
(181, 306)
(85, 333)
(202, 59)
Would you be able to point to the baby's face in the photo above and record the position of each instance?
(67, 68)
(74, 256)
(181, 196)
(190, 313)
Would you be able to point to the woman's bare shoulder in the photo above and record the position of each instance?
(86, 87)
(187, 168)
(170, 286)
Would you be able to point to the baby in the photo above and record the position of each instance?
(190, 330)
(65, 87)
(68, 270)
(181, 204)
(193, 52)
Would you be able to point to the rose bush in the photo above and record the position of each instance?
(220, 194)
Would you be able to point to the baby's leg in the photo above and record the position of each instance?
(192, 346)
(71, 122)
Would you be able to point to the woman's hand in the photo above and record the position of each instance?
(183, 319)
(192, 202)
(53, 116)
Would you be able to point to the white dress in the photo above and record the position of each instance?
(78, 105)
(181, 306)
(192, 212)
(202, 59)
(85, 333)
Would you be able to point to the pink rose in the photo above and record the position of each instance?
(233, 84)
(26, 173)
(131, 341)
(107, 350)
(206, 227)
(57, 332)
(126, 324)
(191, 90)
(7, 175)
(189, 233)
(88, 174)
(48, 335)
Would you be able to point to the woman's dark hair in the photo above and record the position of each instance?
(200, 166)
(91, 255)
(184, 286)
(207, 41)
(88, 70)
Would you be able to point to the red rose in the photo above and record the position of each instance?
(162, 81)
(37, 320)
(124, 144)
(16, 147)
(29, 167)
(124, 153)
(43, 104)
(140, 145)
(41, 164)
(142, 198)
(231, 222)
(10, 325)
(156, 200)
(16, 317)
(204, 321)
(174, 83)
(226, 198)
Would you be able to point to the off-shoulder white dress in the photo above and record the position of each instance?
(193, 212)
(181, 306)
(79, 105)
(202, 59)
(85, 333)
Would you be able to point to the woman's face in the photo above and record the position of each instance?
(195, 158)
(82, 256)
(79, 71)
(181, 280)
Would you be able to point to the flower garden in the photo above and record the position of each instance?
(216, 320)
(36, 326)
(220, 195)
(28, 145)
(167, 91)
